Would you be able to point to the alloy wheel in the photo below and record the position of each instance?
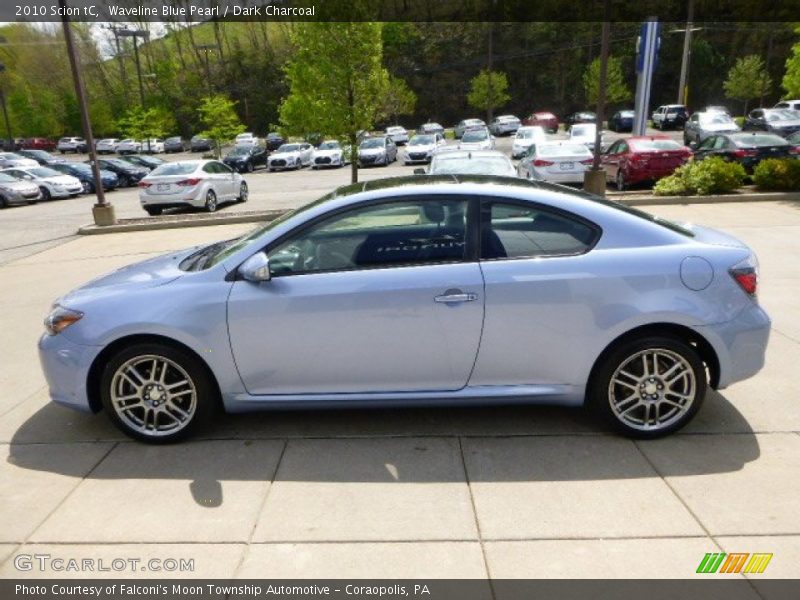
(153, 395)
(243, 192)
(652, 389)
(211, 201)
(620, 181)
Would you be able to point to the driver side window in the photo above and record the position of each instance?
(391, 234)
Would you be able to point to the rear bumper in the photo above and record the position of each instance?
(66, 369)
(740, 344)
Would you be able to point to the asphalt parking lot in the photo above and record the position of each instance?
(456, 492)
(27, 229)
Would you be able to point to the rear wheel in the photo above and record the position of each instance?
(123, 181)
(649, 387)
(156, 393)
(211, 201)
(3, 202)
(45, 193)
(249, 167)
(88, 187)
(154, 211)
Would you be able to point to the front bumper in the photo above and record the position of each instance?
(417, 158)
(66, 369)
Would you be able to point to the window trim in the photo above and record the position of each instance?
(487, 202)
(470, 233)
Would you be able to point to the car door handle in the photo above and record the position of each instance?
(457, 297)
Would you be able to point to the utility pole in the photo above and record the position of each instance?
(102, 211)
(594, 180)
(115, 29)
(490, 110)
(135, 34)
(206, 48)
(5, 109)
(683, 92)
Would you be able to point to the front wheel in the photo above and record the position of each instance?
(243, 192)
(45, 193)
(156, 393)
(621, 183)
(211, 201)
(650, 387)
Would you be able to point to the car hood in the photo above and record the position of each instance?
(786, 124)
(149, 273)
(294, 154)
(329, 152)
(61, 180)
(23, 162)
(474, 145)
(421, 148)
(19, 186)
(369, 151)
(721, 127)
(237, 158)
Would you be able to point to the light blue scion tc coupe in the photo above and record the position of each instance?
(423, 290)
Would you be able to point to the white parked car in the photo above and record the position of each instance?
(199, 183)
(463, 162)
(129, 146)
(11, 159)
(398, 134)
(559, 162)
(107, 146)
(330, 153)
(52, 183)
(476, 139)
(504, 125)
(421, 148)
(71, 144)
(294, 155)
(153, 146)
(245, 139)
(525, 137)
(584, 133)
(466, 124)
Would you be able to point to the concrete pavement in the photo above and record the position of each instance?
(466, 492)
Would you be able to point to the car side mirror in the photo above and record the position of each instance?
(256, 268)
(419, 171)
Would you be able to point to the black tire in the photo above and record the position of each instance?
(88, 187)
(3, 202)
(153, 211)
(243, 192)
(601, 392)
(45, 193)
(621, 184)
(124, 181)
(205, 400)
(211, 201)
(249, 167)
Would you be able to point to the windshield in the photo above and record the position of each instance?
(758, 140)
(333, 145)
(39, 153)
(78, 167)
(421, 140)
(479, 165)
(475, 135)
(10, 156)
(654, 145)
(174, 169)
(715, 119)
(562, 150)
(44, 172)
(782, 115)
(5, 177)
(626, 114)
(289, 148)
(240, 151)
(373, 143)
(395, 130)
(524, 134)
(582, 131)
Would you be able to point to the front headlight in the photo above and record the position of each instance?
(60, 318)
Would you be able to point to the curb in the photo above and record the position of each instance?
(202, 220)
(181, 221)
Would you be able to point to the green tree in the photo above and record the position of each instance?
(222, 124)
(616, 88)
(398, 99)
(747, 79)
(791, 79)
(488, 90)
(335, 79)
(145, 124)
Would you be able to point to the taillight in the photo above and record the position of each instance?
(745, 274)
(189, 182)
(740, 153)
(588, 161)
(794, 150)
(542, 163)
(144, 184)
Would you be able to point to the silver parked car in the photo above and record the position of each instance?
(51, 183)
(419, 291)
(458, 130)
(422, 147)
(476, 139)
(377, 151)
(295, 155)
(198, 183)
(704, 124)
(398, 134)
(504, 125)
(556, 162)
(107, 146)
(17, 191)
(525, 137)
(12, 159)
(330, 153)
(473, 162)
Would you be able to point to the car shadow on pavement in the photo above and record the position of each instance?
(496, 443)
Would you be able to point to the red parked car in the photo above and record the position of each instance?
(547, 120)
(639, 159)
(39, 143)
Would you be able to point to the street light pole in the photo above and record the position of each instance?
(135, 34)
(103, 211)
(206, 48)
(683, 95)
